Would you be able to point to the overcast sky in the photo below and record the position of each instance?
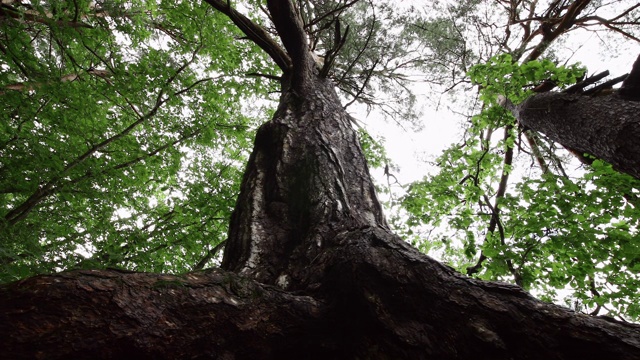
(409, 150)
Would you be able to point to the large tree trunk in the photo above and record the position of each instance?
(607, 127)
(311, 271)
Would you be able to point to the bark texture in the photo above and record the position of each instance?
(109, 314)
(371, 297)
(607, 127)
(306, 182)
(311, 271)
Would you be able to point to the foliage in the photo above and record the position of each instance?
(125, 126)
(502, 75)
(566, 238)
(121, 141)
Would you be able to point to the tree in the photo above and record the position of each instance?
(126, 126)
(311, 268)
(507, 202)
(605, 126)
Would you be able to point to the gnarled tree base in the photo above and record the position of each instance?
(368, 296)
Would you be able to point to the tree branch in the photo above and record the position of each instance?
(289, 26)
(255, 33)
(565, 23)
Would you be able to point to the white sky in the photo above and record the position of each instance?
(409, 150)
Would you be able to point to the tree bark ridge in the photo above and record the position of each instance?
(306, 181)
(607, 127)
(110, 314)
(371, 296)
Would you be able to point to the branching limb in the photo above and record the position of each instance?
(338, 43)
(255, 33)
(495, 210)
(210, 254)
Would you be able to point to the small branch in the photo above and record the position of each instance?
(266, 76)
(531, 139)
(210, 254)
(337, 10)
(577, 88)
(356, 96)
(595, 293)
(338, 42)
(605, 85)
(495, 210)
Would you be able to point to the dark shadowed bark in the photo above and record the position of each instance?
(605, 126)
(311, 271)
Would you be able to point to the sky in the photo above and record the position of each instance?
(411, 151)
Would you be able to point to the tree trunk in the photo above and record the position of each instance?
(607, 127)
(311, 271)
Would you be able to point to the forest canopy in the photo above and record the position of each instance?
(126, 127)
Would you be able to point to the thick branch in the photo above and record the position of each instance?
(383, 300)
(255, 33)
(564, 24)
(107, 314)
(607, 127)
(290, 28)
(289, 25)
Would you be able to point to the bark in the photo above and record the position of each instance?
(372, 297)
(311, 271)
(607, 127)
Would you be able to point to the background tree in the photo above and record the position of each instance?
(504, 203)
(115, 119)
(605, 126)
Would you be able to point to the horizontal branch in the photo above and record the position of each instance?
(116, 314)
(377, 290)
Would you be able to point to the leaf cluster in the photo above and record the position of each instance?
(502, 75)
(121, 140)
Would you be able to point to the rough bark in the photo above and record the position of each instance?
(109, 314)
(311, 272)
(607, 127)
(372, 297)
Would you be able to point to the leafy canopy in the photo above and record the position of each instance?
(121, 121)
(553, 234)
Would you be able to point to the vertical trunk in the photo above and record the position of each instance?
(306, 182)
(307, 179)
